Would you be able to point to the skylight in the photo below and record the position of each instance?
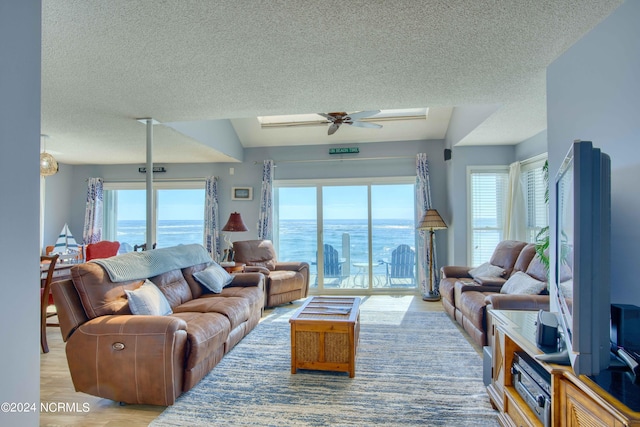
(399, 114)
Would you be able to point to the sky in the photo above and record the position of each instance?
(172, 204)
(341, 202)
(348, 202)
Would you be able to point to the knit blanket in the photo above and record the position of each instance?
(145, 264)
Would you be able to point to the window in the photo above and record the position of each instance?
(534, 187)
(487, 196)
(362, 221)
(179, 213)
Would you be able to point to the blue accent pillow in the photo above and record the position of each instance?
(148, 299)
(213, 278)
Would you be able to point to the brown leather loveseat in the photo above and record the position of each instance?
(152, 359)
(284, 281)
(467, 299)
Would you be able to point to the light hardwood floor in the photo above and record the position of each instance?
(56, 385)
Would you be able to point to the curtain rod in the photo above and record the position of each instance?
(157, 180)
(337, 159)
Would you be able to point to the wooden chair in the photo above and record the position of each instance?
(402, 265)
(102, 249)
(45, 296)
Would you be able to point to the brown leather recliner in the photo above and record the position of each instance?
(148, 359)
(285, 281)
(467, 300)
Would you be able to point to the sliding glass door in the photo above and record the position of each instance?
(361, 234)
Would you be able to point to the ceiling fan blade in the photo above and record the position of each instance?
(333, 128)
(328, 117)
(363, 114)
(365, 125)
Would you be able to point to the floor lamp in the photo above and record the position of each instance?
(431, 221)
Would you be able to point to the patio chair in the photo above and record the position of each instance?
(332, 264)
(401, 266)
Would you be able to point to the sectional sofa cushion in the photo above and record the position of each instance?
(213, 278)
(486, 270)
(148, 299)
(522, 284)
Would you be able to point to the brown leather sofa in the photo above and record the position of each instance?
(146, 359)
(285, 281)
(467, 300)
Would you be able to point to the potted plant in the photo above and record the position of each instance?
(542, 238)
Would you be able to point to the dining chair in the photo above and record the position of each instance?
(45, 299)
(101, 249)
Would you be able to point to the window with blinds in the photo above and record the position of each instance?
(534, 186)
(487, 196)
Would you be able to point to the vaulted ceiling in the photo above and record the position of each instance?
(205, 70)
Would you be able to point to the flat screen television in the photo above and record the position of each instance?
(581, 257)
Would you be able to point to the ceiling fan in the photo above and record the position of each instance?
(342, 118)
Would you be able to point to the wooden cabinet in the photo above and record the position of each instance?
(575, 401)
(576, 409)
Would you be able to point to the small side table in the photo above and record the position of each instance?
(237, 267)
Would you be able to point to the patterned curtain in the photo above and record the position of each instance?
(423, 203)
(92, 232)
(211, 218)
(265, 216)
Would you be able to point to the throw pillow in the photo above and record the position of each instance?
(522, 284)
(486, 270)
(148, 299)
(213, 278)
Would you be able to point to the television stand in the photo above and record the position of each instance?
(575, 400)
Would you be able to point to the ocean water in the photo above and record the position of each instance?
(169, 233)
(297, 238)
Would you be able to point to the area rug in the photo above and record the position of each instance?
(412, 368)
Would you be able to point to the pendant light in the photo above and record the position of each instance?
(48, 164)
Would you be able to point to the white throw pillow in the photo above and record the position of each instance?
(522, 284)
(148, 299)
(486, 270)
(213, 278)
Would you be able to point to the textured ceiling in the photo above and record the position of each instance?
(106, 63)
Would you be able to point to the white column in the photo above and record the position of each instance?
(151, 223)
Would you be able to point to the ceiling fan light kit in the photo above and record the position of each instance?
(342, 118)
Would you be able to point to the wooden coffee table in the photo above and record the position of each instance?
(324, 335)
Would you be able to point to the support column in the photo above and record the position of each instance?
(151, 222)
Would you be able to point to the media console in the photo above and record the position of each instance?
(518, 382)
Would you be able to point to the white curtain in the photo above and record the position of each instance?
(514, 227)
(93, 214)
(265, 216)
(211, 218)
(426, 260)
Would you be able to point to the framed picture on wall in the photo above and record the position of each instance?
(242, 193)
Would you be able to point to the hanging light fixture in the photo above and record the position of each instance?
(48, 164)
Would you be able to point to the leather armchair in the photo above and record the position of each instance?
(285, 281)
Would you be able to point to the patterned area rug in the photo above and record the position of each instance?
(412, 368)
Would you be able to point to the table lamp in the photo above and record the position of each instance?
(431, 221)
(234, 224)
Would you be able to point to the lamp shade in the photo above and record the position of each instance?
(48, 164)
(235, 223)
(432, 221)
